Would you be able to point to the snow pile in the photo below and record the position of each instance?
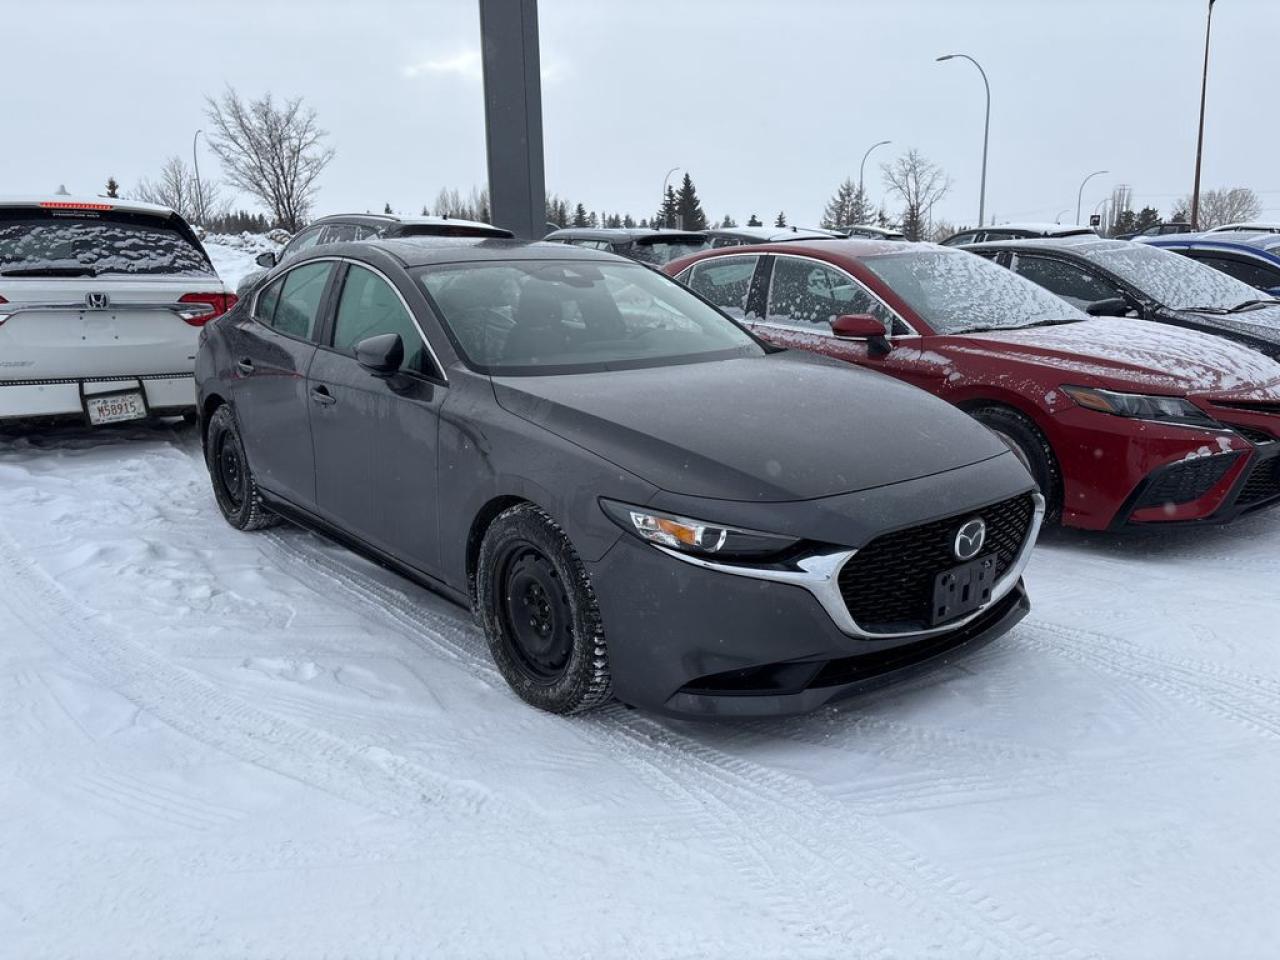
(233, 254)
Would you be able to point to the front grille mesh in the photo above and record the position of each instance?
(1254, 435)
(1187, 481)
(888, 584)
(1263, 483)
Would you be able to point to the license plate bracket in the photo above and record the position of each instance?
(117, 407)
(963, 589)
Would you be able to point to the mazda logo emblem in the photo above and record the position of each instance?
(97, 301)
(970, 539)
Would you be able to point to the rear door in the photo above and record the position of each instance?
(273, 346)
(375, 436)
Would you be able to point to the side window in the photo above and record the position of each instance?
(303, 241)
(369, 307)
(960, 239)
(1066, 280)
(365, 232)
(993, 235)
(726, 242)
(1255, 274)
(264, 307)
(725, 281)
(298, 306)
(809, 295)
(338, 233)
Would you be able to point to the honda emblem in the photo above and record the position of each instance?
(97, 301)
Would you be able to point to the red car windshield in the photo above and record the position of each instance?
(957, 292)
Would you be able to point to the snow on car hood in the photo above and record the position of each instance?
(786, 426)
(1137, 354)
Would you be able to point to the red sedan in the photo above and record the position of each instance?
(1120, 421)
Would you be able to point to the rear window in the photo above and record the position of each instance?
(449, 230)
(664, 251)
(90, 243)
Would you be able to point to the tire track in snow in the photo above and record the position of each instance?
(754, 798)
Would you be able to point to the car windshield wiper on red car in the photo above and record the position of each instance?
(1022, 326)
(76, 271)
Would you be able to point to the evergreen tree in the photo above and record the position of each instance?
(594, 219)
(861, 210)
(666, 215)
(644, 223)
(728, 223)
(1147, 217)
(387, 208)
(580, 216)
(629, 222)
(113, 188)
(781, 221)
(1126, 221)
(425, 211)
(689, 213)
(839, 209)
(913, 222)
(754, 221)
(1180, 213)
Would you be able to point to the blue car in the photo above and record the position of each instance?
(1252, 258)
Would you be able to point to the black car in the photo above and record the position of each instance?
(348, 227)
(1173, 228)
(654, 247)
(1017, 231)
(637, 498)
(1123, 278)
(744, 236)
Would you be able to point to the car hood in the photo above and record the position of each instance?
(786, 426)
(1135, 355)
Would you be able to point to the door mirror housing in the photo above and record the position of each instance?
(267, 259)
(1110, 307)
(862, 326)
(381, 355)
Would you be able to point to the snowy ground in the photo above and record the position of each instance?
(218, 744)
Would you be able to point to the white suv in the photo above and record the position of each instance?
(101, 305)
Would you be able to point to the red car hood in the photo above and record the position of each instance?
(1135, 356)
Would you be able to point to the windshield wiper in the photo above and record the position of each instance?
(1023, 326)
(79, 271)
(1216, 310)
(1254, 305)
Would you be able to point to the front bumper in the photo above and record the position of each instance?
(166, 394)
(1242, 482)
(689, 641)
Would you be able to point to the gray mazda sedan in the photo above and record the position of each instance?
(637, 498)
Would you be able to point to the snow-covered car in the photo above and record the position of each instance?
(1250, 226)
(101, 305)
(1016, 231)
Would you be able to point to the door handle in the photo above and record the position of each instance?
(245, 365)
(322, 396)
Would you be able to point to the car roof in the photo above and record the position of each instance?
(424, 251)
(1249, 226)
(853, 247)
(1067, 244)
(388, 218)
(875, 228)
(88, 203)
(1047, 229)
(770, 234)
(1211, 242)
(624, 233)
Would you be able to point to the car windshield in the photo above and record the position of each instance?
(1169, 278)
(94, 243)
(661, 252)
(548, 317)
(957, 292)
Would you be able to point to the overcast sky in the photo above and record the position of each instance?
(767, 103)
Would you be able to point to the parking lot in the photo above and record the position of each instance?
(230, 744)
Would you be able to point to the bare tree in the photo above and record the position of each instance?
(273, 152)
(176, 187)
(474, 206)
(1226, 206)
(920, 183)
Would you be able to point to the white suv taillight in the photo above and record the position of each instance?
(202, 307)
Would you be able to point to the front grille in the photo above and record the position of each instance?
(1263, 483)
(1187, 481)
(888, 584)
(1254, 435)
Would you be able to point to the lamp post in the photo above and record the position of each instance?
(1204, 87)
(195, 162)
(662, 206)
(986, 131)
(1080, 192)
(862, 168)
(1058, 217)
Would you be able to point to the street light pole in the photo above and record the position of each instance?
(662, 206)
(1058, 218)
(1080, 192)
(1204, 88)
(986, 131)
(195, 162)
(862, 168)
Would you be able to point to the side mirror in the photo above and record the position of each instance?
(1111, 307)
(862, 326)
(381, 355)
(267, 259)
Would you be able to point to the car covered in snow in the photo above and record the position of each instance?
(637, 497)
(652, 246)
(1120, 421)
(738, 236)
(101, 304)
(1249, 263)
(1119, 278)
(1016, 231)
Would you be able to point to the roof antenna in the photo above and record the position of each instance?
(62, 191)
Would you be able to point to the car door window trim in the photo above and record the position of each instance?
(764, 322)
(279, 278)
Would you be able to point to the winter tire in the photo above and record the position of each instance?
(1029, 445)
(233, 484)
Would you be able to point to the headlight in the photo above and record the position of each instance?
(695, 536)
(1142, 407)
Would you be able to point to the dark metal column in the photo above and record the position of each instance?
(513, 115)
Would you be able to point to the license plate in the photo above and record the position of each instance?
(115, 407)
(963, 589)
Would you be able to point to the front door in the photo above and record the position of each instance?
(273, 345)
(375, 436)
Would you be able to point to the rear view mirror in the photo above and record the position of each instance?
(1111, 307)
(381, 355)
(266, 259)
(862, 326)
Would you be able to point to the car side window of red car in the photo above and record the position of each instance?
(726, 282)
(808, 295)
